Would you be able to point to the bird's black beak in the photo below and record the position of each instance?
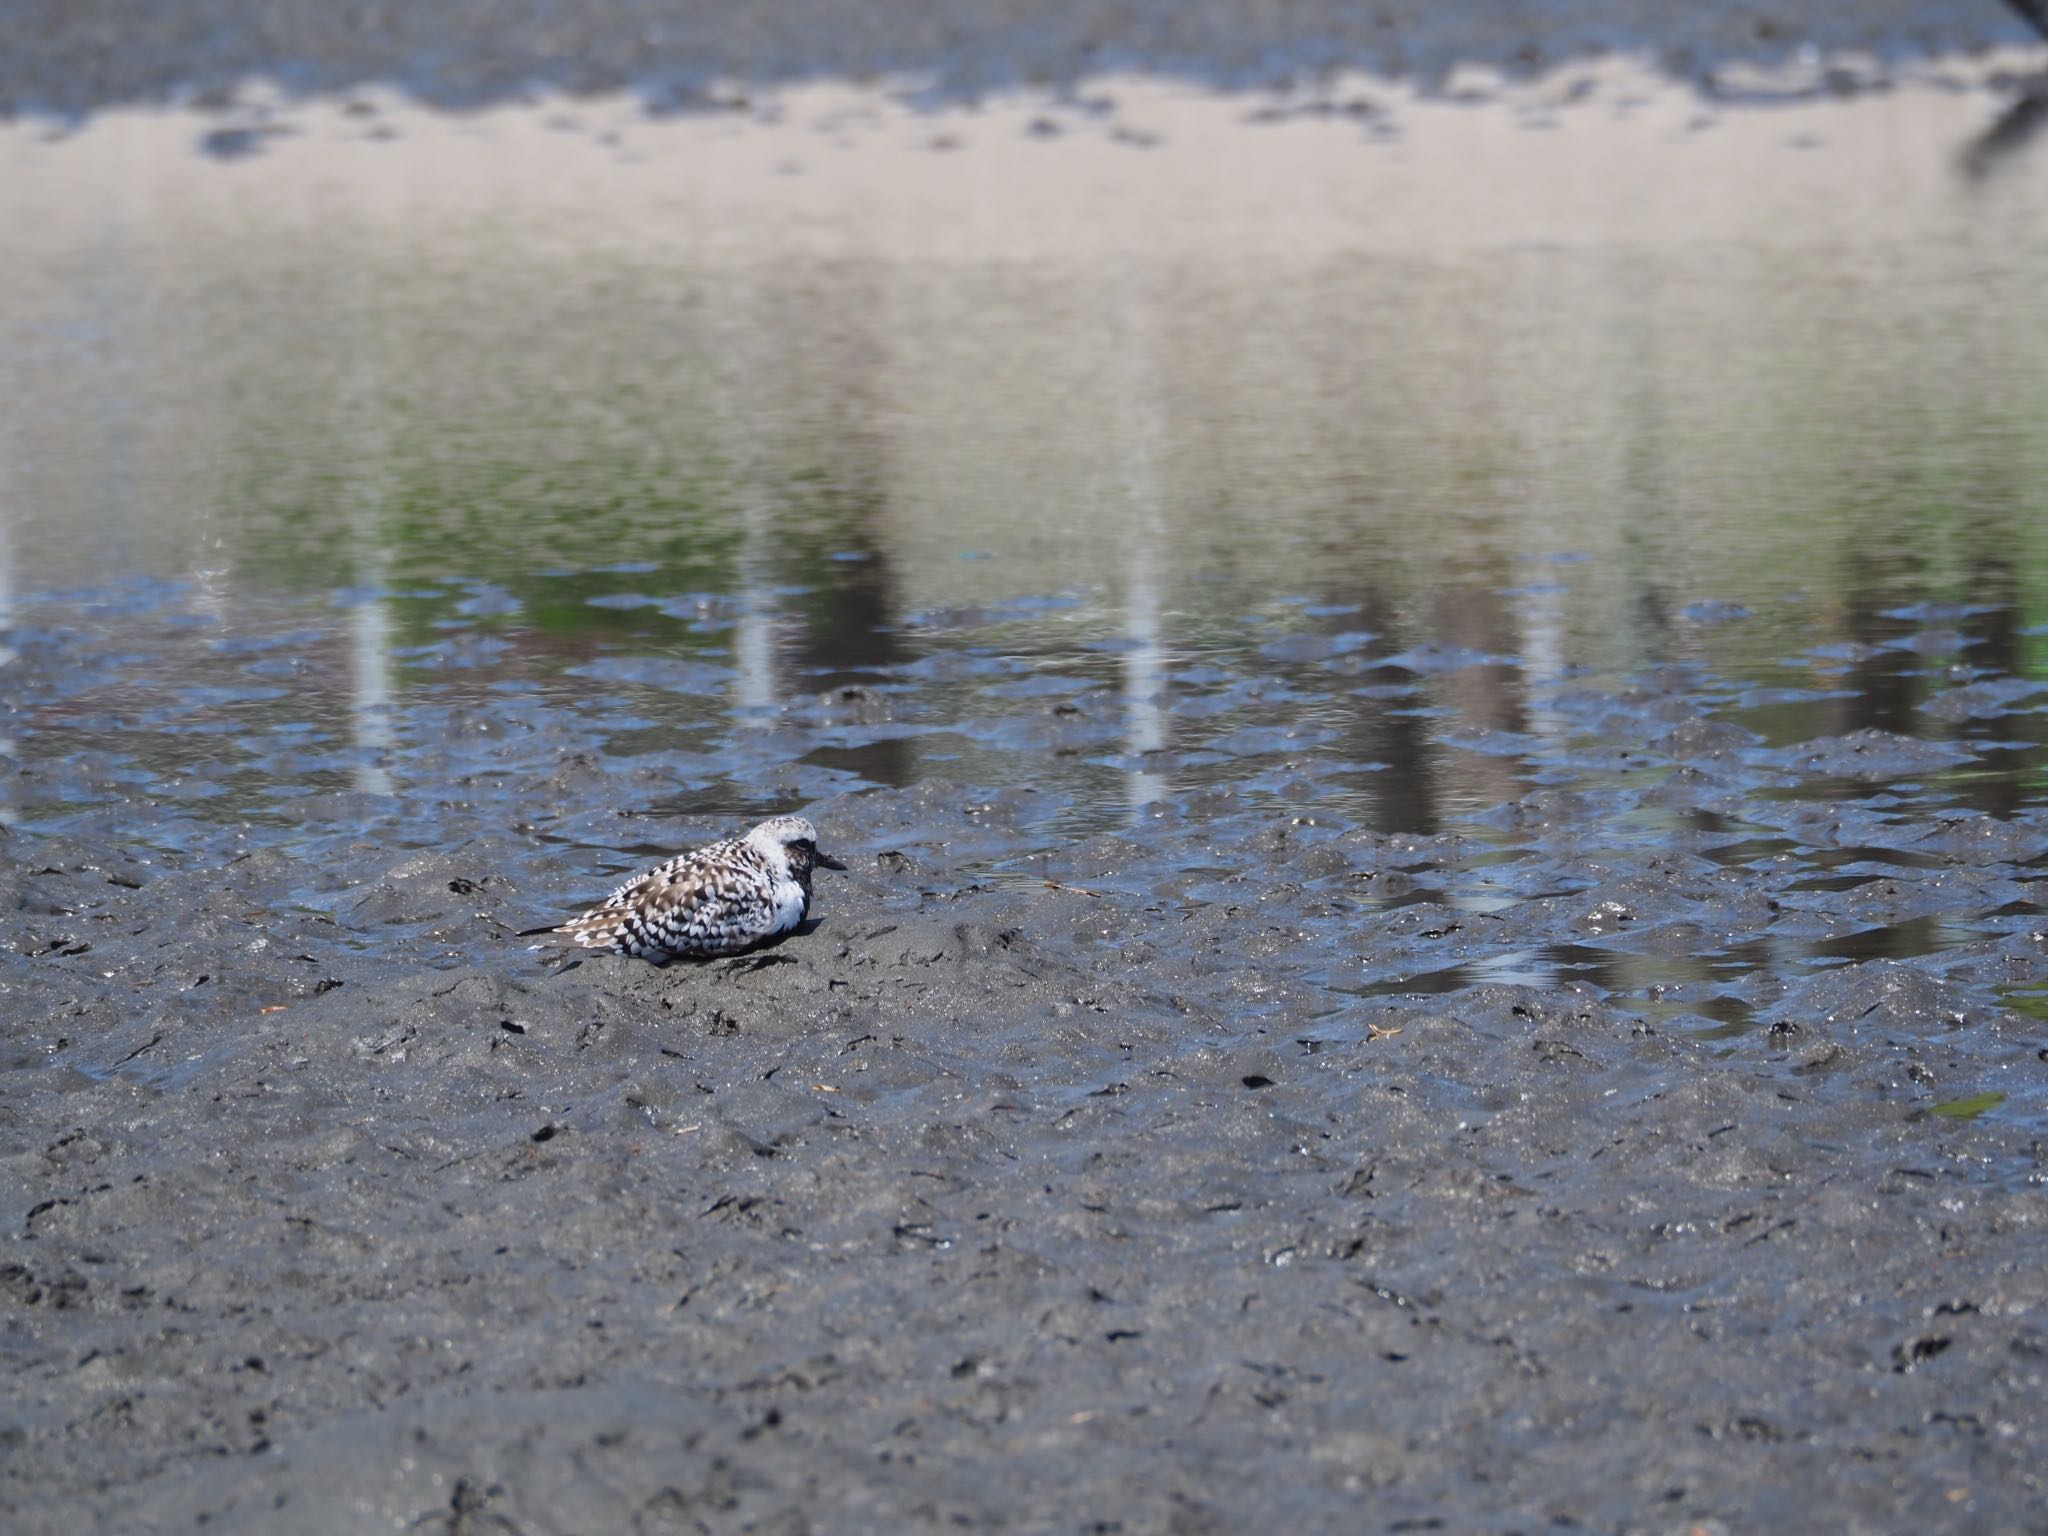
(825, 860)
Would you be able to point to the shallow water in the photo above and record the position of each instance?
(324, 535)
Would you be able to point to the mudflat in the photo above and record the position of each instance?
(1029, 1206)
(1426, 654)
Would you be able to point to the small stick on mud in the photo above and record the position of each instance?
(1078, 890)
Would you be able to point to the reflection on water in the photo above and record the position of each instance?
(8, 750)
(313, 532)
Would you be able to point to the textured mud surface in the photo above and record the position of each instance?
(1076, 1199)
(1443, 928)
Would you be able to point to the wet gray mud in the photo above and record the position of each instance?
(1662, 1148)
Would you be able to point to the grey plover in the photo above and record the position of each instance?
(716, 900)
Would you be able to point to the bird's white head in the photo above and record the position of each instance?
(793, 841)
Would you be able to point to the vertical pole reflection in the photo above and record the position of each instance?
(1539, 612)
(742, 381)
(370, 661)
(9, 814)
(1144, 661)
(367, 492)
(1140, 426)
(753, 641)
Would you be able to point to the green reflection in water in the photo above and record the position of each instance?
(1589, 461)
(1970, 1108)
(2031, 1001)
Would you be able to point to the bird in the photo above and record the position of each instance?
(716, 900)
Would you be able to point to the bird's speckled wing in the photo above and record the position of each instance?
(678, 871)
(699, 903)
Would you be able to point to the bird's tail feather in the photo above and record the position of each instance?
(599, 929)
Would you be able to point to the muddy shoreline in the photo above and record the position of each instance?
(1047, 1203)
(66, 60)
(1438, 738)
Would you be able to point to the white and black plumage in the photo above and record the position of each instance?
(716, 900)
